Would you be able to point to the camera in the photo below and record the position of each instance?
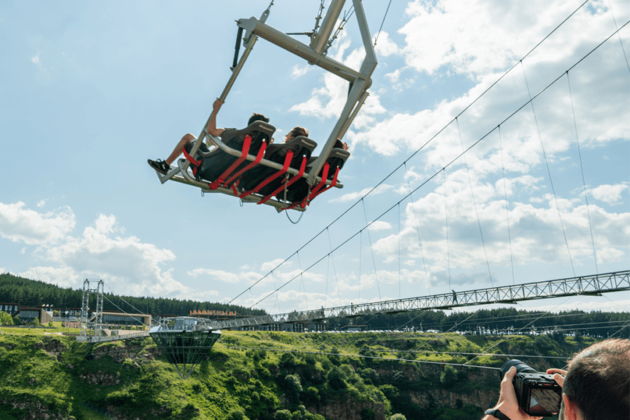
(538, 394)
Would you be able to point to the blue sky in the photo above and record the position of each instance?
(89, 90)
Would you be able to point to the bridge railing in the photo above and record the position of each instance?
(594, 284)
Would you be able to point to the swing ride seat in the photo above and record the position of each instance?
(218, 167)
(298, 193)
(227, 169)
(300, 149)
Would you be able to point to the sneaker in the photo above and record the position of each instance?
(159, 165)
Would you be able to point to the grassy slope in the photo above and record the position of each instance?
(251, 373)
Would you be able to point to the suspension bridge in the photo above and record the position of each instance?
(591, 285)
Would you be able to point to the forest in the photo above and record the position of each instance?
(25, 292)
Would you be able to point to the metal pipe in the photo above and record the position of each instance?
(294, 46)
(322, 36)
(353, 115)
(356, 96)
(357, 90)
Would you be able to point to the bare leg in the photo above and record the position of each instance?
(179, 148)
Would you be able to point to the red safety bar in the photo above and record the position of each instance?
(247, 142)
(288, 183)
(317, 190)
(194, 162)
(333, 182)
(321, 183)
(285, 167)
(259, 156)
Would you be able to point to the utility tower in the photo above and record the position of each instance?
(96, 321)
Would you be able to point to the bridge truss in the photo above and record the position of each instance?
(590, 285)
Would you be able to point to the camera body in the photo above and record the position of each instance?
(538, 394)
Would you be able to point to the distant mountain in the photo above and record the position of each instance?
(26, 292)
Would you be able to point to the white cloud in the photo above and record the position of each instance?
(445, 34)
(60, 276)
(445, 223)
(299, 70)
(379, 225)
(609, 194)
(328, 101)
(35, 60)
(102, 251)
(123, 262)
(20, 224)
(355, 195)
(385, 46)
(245, 277)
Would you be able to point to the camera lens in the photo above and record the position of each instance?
(520, 367)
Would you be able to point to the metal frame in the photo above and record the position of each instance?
(96, 322)
(590, 285)
(359, 82)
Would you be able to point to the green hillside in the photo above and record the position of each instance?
(262, 375)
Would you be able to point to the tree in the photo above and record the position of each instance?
(5, 318)
(293, 387)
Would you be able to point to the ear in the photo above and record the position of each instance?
(570, 411)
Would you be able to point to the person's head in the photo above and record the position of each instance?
(257, 117)
(296, 132)
(597, 384)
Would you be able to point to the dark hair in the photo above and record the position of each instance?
(298, 131)
(257, 117)
(598, 381)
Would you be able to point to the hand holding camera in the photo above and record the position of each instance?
(526, 394)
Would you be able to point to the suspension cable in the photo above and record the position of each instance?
(123, 311)
(346, 16)
(475, 204)
(382, 22)
(584, 189)
(507, 203)
(549, 176)
(378, 286)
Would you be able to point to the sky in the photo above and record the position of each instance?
(90, 90)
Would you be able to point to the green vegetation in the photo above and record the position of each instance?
(261, 375)
(598, 324)
(5, 319)
(14, 289)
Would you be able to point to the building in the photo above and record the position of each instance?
(10, 308)
(44, 313)
(120, 318)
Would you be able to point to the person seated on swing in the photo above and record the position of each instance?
(163, 166)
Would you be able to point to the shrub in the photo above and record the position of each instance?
(5, 318)
(282, 415)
